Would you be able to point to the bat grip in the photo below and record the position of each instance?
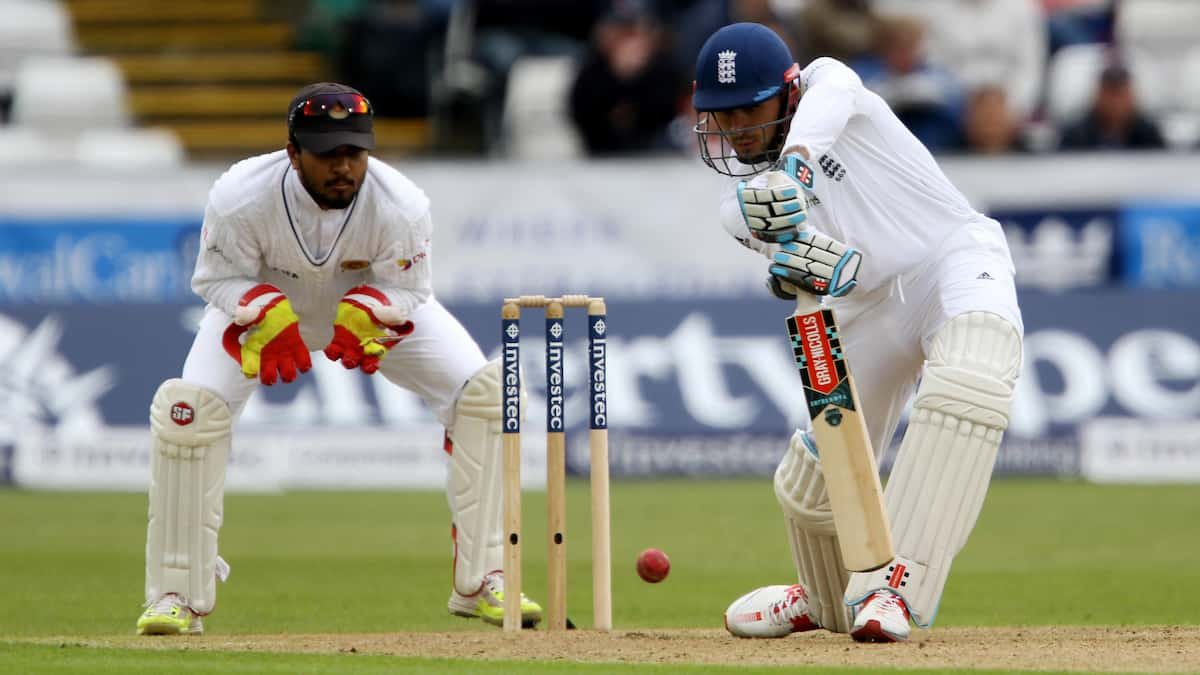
(807, 303)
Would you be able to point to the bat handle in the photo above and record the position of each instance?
(807, 303)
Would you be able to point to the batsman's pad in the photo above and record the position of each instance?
(800, 489)
(474, 488)
(941, 474)
(191, 435)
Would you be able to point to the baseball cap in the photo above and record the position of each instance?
(325, 115)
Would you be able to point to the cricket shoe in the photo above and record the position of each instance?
(488, 603)
(770, 612)
(883, 617)
(169, 615)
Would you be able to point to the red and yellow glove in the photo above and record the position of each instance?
(366, 327)
(273, 346)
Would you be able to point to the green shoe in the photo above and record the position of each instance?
(170, 616)
(488, 603)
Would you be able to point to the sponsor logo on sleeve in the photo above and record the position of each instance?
(407, 263)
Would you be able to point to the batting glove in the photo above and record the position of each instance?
(781, 289)
(366, 327)
(773, 204)
(818, 264)
(272, 348)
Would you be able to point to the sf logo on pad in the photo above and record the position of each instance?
(182, 414)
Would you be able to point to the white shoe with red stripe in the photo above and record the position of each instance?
(770, 612)
(883, 617)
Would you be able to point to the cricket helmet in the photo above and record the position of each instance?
(741, 66)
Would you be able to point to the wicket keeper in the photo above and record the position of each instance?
(317, 247)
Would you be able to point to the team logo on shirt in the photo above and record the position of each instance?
(832, 168)
(355, 265)
(726, 68)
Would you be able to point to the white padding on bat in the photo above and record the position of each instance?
(941, 474)
(475, 480)
(800, 489)
(191, 435)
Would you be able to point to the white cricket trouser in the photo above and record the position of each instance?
(885, 332)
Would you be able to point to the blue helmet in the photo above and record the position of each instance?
(741, 66)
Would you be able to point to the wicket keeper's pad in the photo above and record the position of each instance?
(475, 480)
(800, 490)
(191, 434)
(944, 464)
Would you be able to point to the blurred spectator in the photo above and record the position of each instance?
(927, 98)
(384, 50)
(626, 92)
(509, 29)
(705, 17)
(323, 25)
(1114, 122)
(1000, 41)
(484, 39)
(843, 29)
(989, 126)
(1073, 22)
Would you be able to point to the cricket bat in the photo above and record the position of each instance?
(840, 432)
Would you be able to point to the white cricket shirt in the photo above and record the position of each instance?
(876, 187)
(261, 225)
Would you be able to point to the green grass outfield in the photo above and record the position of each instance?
(1045, 552)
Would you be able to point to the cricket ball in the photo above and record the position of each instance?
(653, 565)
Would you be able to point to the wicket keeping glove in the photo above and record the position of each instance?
(774, 204)
(817, 264)
(366, 327)
(272, 348)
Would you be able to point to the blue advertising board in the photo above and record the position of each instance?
(1161, 245)
(150, 259)
(694, 387)
(97, 260)
(1061, 248)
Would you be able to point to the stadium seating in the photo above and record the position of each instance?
(68, 93)
(1154, 36)
(218, 73)
(1072, 80)
(28, 148)
(1163, 28)
(536, 123)
(1189, 90)
(129, 149)
(31, 28)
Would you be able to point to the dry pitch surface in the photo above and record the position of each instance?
(1134, 649)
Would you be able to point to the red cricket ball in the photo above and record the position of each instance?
(653, 565)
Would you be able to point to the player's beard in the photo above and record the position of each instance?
(326, 196)
(767, 149)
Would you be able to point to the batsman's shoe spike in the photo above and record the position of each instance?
(488, 603)
(770, 612)
(882, 618)
(169, 615)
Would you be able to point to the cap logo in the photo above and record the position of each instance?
(726, 69)
(339, 111)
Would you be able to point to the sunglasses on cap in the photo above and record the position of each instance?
(336, 106)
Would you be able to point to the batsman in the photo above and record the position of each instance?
(317, 246)
(845, 203)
